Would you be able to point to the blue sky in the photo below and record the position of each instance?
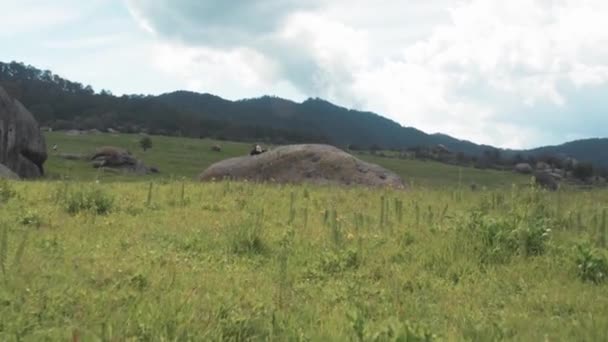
(521, 73)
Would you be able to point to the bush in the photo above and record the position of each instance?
(498, 239)
(392, 329)
(145, 143)
(6, 190)
(583, 171)
(94, 200)
(592, 264)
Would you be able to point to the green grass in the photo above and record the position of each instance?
(105, 257)
(236, 261)
(175, 157)
(184, 157)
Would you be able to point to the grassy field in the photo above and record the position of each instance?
(184, 157)
(186, 261)
(101, 257)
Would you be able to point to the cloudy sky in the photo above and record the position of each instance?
(517, 73)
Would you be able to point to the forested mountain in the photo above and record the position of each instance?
(591, 150)
(63, 104)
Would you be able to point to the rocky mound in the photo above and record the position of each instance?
(119, 159)
(22, 145)
(318, 164)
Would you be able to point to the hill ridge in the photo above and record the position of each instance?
(63, 104)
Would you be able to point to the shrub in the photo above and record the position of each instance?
(592, 264)
(583, 171)
(94, 200)
(30, 218)
(6, 190)
(392, 329)
(145, 142)
(498, 239)
(337, 262)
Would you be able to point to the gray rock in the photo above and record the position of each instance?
(542, 166)
(546, 180)
(22, 145)
(317, 164)
(523, 168)
(120, 159)
(6, 173)
(74, 132)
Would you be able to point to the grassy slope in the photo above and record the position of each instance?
(183, 157)
(238, 261)
(202, 266)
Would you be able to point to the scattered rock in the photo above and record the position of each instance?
(118, 158)
(22, 145)
(257, 149)
(542, 166)
(74, 132)
(571, 163)
(317, 164)
(441, 149)
(523, 168)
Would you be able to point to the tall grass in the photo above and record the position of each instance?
(275, 262)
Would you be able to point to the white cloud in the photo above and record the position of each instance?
(514, 73)
(18, 17)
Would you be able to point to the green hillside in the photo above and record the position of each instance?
(186, 157)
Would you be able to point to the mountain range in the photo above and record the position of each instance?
(64, 104)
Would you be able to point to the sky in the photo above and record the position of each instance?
(513, 74)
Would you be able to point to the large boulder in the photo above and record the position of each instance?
(22, 145)
(318, 164)
(6, 173)
(524, 168)
(119, 159)
(546, 180)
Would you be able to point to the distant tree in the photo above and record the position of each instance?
(375, 148)
(461, 158)
(518, 158)
(145, 142)
(583, 171)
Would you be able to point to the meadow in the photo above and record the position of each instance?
(179, 158)
(89, 257)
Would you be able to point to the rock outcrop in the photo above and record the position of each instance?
(119, 159)
(546, 180)
(317, 164)
(524, 168)
(22, 145)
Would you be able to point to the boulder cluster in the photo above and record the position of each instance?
(544, 174)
